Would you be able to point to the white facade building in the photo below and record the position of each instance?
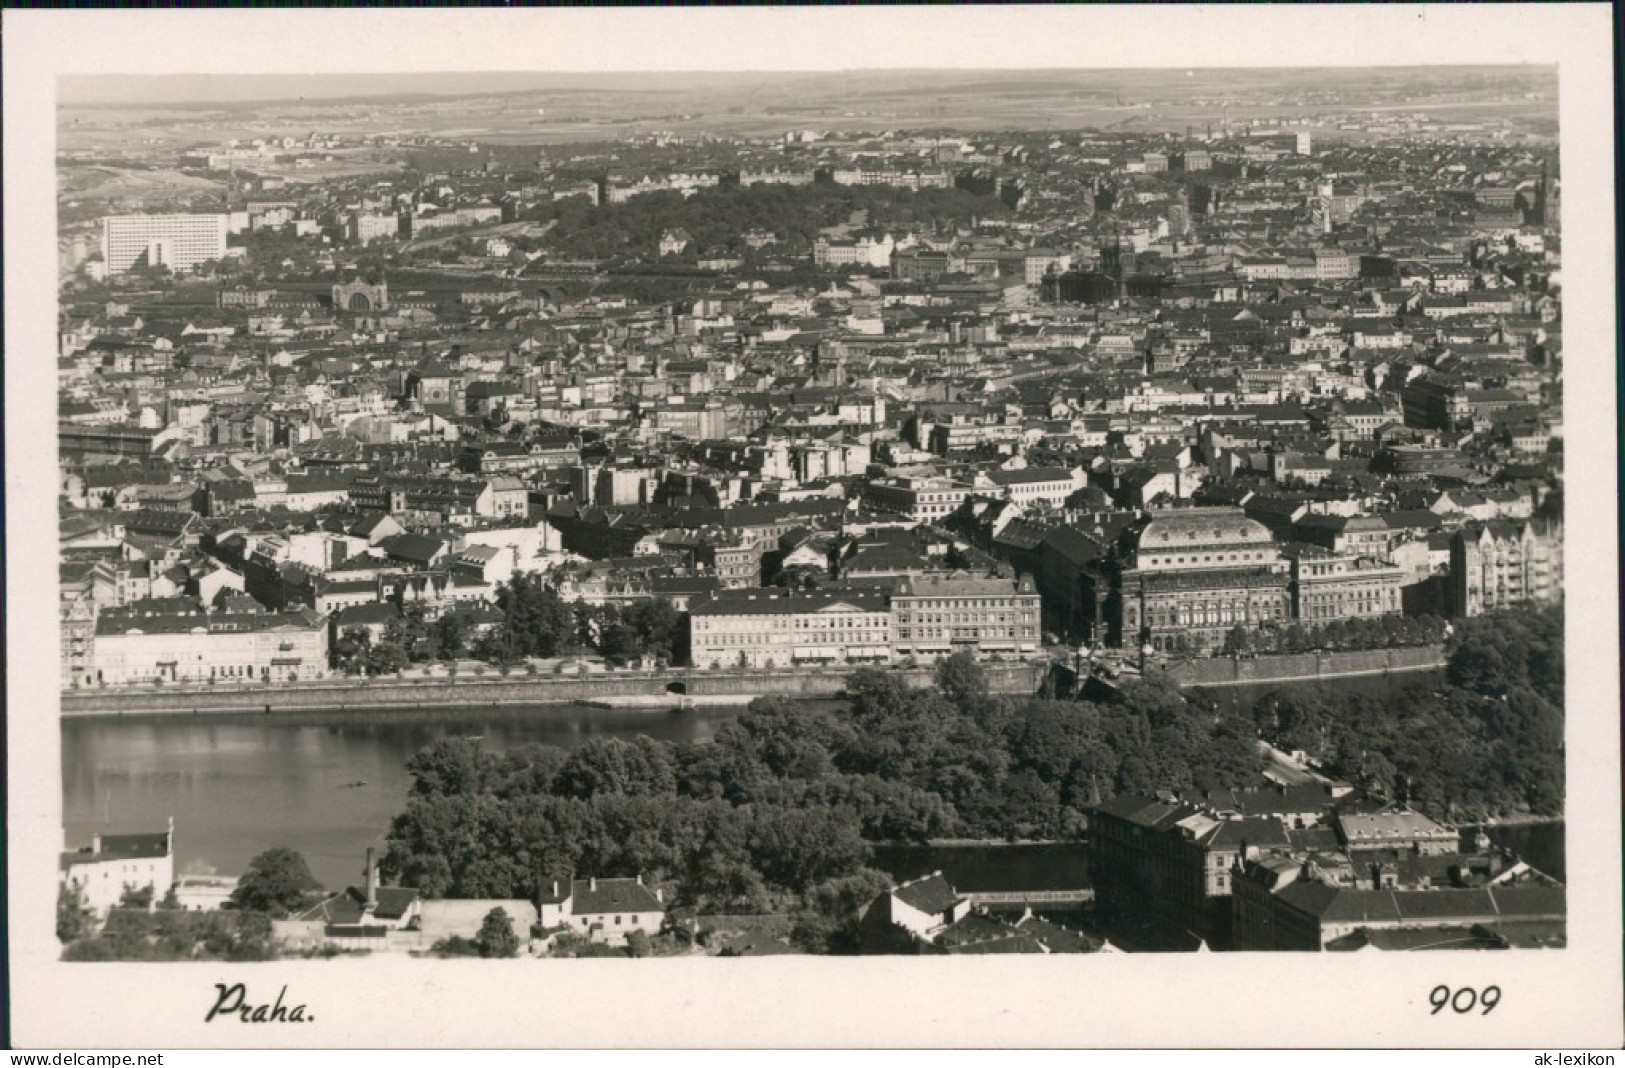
(116, 863)
(179, 242)
(134, 647)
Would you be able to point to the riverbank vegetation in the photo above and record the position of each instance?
(778, 813)
(1488, 744)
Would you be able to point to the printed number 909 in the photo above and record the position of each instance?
(1464, 1000)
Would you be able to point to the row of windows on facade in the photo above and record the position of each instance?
(980, 602)
(962, 617)
(831, 623)
(848, 623)
(967, 632)
(1339, 613)
(1208, 558)
(764, 637)
(1196, 615)
(1363, 593)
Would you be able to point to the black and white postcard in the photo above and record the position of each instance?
(512, 514)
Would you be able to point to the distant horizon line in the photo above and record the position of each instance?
(118, 87)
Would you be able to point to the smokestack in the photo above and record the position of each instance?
(592, 882)
(371, 882)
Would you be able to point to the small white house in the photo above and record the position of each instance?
(924, 906)
(115, 863)
(604, 910)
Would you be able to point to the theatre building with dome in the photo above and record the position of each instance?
(1197, 573)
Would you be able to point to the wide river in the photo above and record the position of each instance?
(238, 785)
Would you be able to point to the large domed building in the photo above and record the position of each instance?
(1196, 573)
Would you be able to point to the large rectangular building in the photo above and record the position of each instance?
(1329, 586)
(179, 242)
(941, 614)
(134, 646)
(924, 499)
(766, 628)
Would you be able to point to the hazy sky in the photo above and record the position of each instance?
(203, 89)
(228, 88)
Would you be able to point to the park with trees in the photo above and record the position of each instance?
(1485, 742)
(717, 219)
(779, 813)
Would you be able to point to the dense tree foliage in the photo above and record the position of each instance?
(278, 881)
(717, 219)
(537, 622)
(1378, 632)
(496, 937)
(778, 812)
(1489, 742)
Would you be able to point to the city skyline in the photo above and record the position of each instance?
(1077, 414)
(1179, 468)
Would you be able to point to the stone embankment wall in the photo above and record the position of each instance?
(346, 694)
(1305, 667)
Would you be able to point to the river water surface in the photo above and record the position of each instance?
(238, 785)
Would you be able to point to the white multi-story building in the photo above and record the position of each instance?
(367, 228)
(770, 628)
(1502, 563)
(116, 863)
(1028, 486)
(179, 242)
(136, 646)
(935, 615)
(865, 251)
(1336, 263)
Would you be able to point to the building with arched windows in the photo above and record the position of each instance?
(361, 297)
(1196, 573)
